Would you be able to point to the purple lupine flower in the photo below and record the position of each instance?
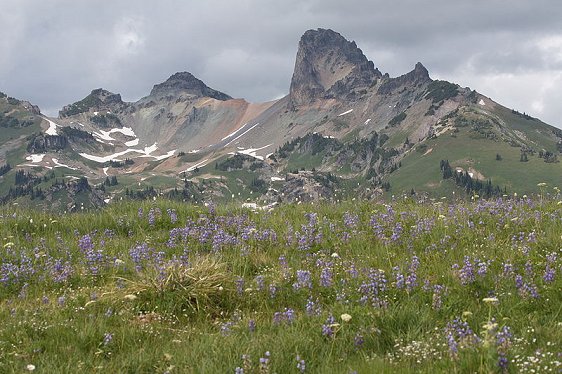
(107, 338)
(173, 215)
(326, 277)
(503, 362)
(289, 315)
(399, 277)
(304, 280)
(239, 285)
(301, 365)
(549, 274)
(358, 340)
(226, 328)
(518, 281)
(151, 217)
(252, 325)
(277, 318)
(507, 269)
(273, 290)
(466, 273)
(529, 269)
(328, 327)
(264, 363)
(260, 282)
(350, 220)
(482, 268)
(458, 333)
(313, 307)
(437, 301)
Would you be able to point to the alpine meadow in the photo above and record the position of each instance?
(313, 211)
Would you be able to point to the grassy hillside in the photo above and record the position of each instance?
(420, 168)
(357, 287)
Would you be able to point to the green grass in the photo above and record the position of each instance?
(422, 171)
(114, 291)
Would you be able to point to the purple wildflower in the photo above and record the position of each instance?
(107, 338)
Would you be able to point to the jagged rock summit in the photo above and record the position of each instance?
(98, 99)
(186, 83)
(329, 66)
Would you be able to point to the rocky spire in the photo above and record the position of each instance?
(328, 65)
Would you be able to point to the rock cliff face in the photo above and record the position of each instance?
(329, 66)
(412, 79)
(186, 83)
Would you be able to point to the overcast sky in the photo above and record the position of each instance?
(54, 52)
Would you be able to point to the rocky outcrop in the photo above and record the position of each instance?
(413, 78)
(98, 100)
(186, 83)
(329, 66)
(42, 143)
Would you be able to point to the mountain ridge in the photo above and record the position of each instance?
(350, 127)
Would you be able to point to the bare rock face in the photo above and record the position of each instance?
(329, 66)
(186, 83)
(413, 78)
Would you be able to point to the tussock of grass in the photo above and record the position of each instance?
(203, 285)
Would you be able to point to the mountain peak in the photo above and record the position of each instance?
(184, 82)
(328, 65)
(97, 99)
(106, 97)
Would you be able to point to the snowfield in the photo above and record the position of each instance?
(244, 133)
(59, 165)
(35, 158)
(52, 130)
(199, 164)
(344, 113)
(252, 152)
(146, 152)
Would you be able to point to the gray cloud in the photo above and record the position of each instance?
(54, 52)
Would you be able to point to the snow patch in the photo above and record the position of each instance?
(481, 102)
(344, 113)
(105, 170)
(252, 151)
(146, 152)
(132, 143)
(234, 132)
(367, 121)
(59, 165)
(244, 133)
(35, 158)
(199, 164)
(275, 179)
(165, 156)
(106, 135)
(52, 130)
